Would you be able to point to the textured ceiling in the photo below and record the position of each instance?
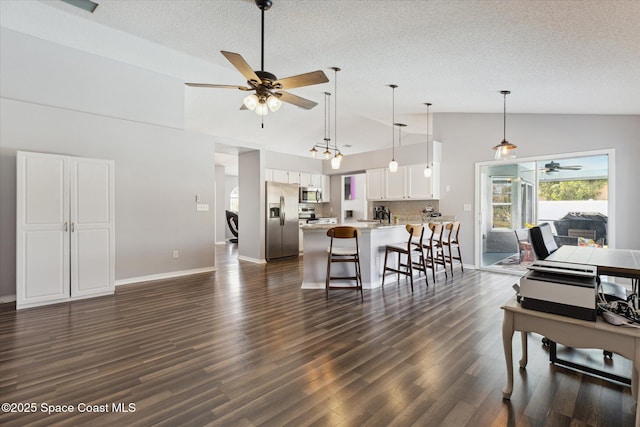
(559, 57)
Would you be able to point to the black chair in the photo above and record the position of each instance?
(232, 222)
(542, 240)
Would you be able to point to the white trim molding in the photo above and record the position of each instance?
(169, 275)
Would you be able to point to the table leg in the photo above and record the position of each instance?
(507, 338)
(635, 384)
(525, 353)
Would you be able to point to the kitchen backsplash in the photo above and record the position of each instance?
(406, 211)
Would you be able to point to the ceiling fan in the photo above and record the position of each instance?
(268, 89)
(555, 167)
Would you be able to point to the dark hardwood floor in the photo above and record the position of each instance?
(246, 346)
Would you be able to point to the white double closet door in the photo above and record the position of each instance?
(65, 228)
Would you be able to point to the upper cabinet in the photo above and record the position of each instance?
(285, 177)
(303, 179)
(313, 180)
(375, 184)
(407, 183)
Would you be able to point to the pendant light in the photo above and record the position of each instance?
(505, 148)
(399, 126)
(337, 159)
(393, 165)
(330, 149)
(427, 170)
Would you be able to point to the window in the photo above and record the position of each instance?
(234, 200)
(501, 202)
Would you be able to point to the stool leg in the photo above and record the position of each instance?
(384, 269)
(399, 262)
(409, 262)
(326, 286)
(460, 258)
(359, 277)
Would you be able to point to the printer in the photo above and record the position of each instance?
(560, 288)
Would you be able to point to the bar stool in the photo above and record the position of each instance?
(413, 245)
(435, 251)
(453, 242)
(344, 254)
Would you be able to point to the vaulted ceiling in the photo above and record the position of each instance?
(557, 57)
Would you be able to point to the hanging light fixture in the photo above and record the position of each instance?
(505, 148)
(399, 126)
(331, 151)
(393, 165)
(427, 170)
(337, 159)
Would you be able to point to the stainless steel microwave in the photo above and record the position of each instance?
(310, 195)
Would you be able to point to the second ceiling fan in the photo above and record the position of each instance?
(555, 167)
(268, 89)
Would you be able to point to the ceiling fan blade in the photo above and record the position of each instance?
(570, 168)
(241, 65)
(296, 100)
(307, 79)
(217, 86)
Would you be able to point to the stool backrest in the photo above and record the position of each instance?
(454, 229)
(416, 233)
(344, 232)
(436, 233)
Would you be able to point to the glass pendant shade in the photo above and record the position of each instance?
(274, 103)
(393, 166)
(335, 163)
(504, 150)
(427, 172)
(313, 152)
(251, 102)
(262, 109)
(327, 154)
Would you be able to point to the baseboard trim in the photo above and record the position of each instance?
(7, 298)
(253, 260)
(161, 276)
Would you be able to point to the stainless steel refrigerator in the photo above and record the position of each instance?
(282, 220)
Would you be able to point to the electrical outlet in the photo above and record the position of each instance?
(175, 254)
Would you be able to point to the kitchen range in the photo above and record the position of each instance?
(308, 215)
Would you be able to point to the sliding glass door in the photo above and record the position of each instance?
(569, 192)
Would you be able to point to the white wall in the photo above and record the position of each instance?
(468, 138)
(220, 205)
(251, 218)
(58, 100)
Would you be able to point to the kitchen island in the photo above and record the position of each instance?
(372, 244)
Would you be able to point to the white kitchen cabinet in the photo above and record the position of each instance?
(396, 184)
(375, 184)
(325, 186)
(313, 180)
(407, 183)
(65, 226)
(293, 177)
(277, 175)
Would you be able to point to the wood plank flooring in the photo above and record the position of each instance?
(245, 346)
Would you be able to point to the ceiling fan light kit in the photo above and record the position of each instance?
(427, 170)
(504, 150)
(269, 90)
